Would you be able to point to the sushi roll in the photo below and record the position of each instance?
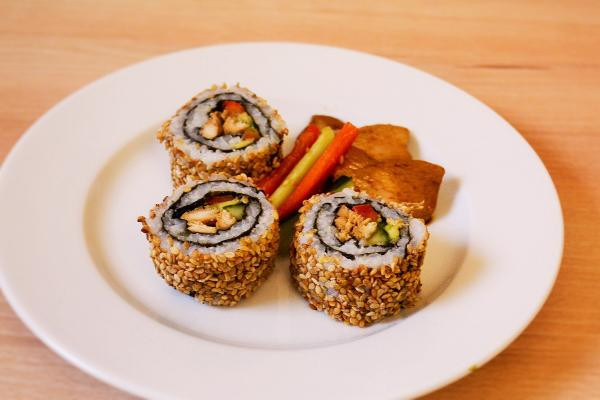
(215, 240)
(227, 130)
(356, 258)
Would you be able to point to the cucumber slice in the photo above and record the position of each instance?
(245, 118)
(243, 143)
(379, 238)
(393, 232)
(227, 203)
(237, 210)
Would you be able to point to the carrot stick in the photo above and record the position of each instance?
(324, 167)
(301, 169)
(233, 107)
(306, 139)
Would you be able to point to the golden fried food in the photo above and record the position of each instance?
(379, 164)
(325, 120)
(384, 142)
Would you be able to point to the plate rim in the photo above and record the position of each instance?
(48, 340)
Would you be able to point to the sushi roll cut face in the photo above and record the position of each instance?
(227, 130)
(356, 258)
(214, 240)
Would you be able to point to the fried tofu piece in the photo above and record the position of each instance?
(415, 182)
(394, 178)
(380, 164)
(354, 161)
(325, 120)
(384, 142)
(380, 141)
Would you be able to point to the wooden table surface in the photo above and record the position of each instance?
(537, 63)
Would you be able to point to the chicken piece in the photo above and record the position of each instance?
(199, 227)
(213, 127)
(201, 220)
(236, 124)
(201, 214)
(351, 224)
(364, 229)
(208, 220)
(399, 223)
(384, 142)
(342, 223)
(225, 220)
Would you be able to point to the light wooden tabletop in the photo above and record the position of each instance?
(536, 63)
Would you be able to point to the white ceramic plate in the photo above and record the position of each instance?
(76, 268)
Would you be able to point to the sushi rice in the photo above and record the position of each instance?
(218, 268)
(193, 156)
(352, 281)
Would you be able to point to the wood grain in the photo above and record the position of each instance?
(536, 63)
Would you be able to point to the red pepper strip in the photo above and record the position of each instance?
(367, 211)
(233, 107)
(220, 198)
(306, 139)
(320, 170)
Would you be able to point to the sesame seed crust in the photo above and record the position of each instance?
(220, 279)
(359, 296)
(256, 164)
(216, 279)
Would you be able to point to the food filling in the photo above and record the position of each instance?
(218, 213)
(231, 118)
(362, 223)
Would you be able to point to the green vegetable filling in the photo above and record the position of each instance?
(385, 234)
(236, 210)
(379, 238)
(225, 204)
(393, 232)
(245, 118)
(243, 143)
